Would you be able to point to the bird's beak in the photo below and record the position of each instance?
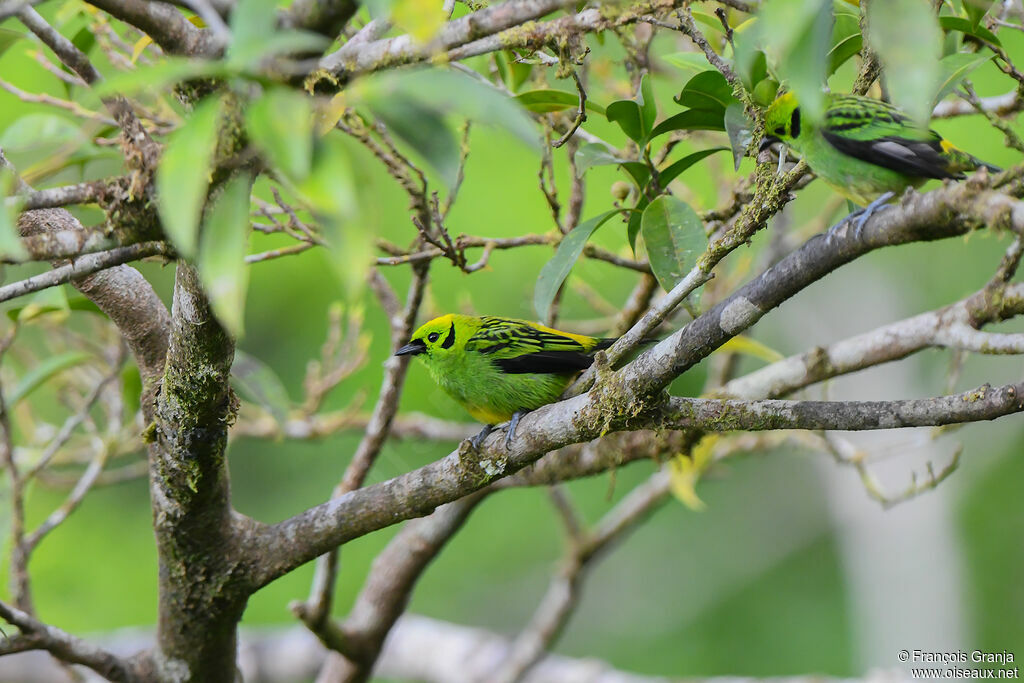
(416, 346)
(766, 142)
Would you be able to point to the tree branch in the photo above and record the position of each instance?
(626, 399)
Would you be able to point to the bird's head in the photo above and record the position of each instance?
(434, 338)
(781, 121)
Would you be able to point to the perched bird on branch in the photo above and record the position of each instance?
(866, 149)
(499, 369)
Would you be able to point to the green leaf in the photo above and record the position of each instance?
(638, 172)
(672, 171)
(331, 191)
(707, 91)
(8, 38)
(253, 22)
(44, 372)
(633, 225)
(846, 41)
(554, 272)
(281, 124)
(221, 260)
(648, 105)
(627, 114)
(160, 76)
(10, 242)
(955, 68)
(738, 127)
(691, 119)
(184, 175)
(976, 10)
(544, 101)
(257, 382)
(796, 36)
(594, 154)
(948, 23)
(421, 20)
(674, 236)
(414, 101)
(906, 36)
(692, 62)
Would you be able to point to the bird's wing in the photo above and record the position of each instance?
(878, 133)
(517, 347)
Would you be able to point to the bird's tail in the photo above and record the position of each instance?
(978, 163)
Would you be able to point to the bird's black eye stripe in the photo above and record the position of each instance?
(794, 123)
(450, 339)
(432, 337)
(779, 130)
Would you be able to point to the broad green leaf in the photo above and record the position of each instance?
(10, 242)
(707, 91)
(691, 119)
(281, 124)
(221, 260)
(976, 10)
(425, 130)
(796, 35)
(638, 172)
(331, 193)
(519, 73)
(160, 76)
(738, 127)
(672, 171)
(905, 35)
(690, 62)
(544, 101)
(253, 22)
(648, 105)
(8, 38)
(955, 68)
(329, 190)
(846, 41)
(554, 272)
(421, 20)
(415, 101)
(674, 235)
(184, 175)
(257, 382)
(593, 154)
(948, 23)
(627, 114)
(44, 372)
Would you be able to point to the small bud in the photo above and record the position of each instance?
(620, 190)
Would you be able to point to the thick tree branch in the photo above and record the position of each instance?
(120, 292)
(164, 24)
(626, 399)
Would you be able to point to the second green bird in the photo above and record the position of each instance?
(867, 150)
(500, 368)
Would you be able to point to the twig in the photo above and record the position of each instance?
(86, 265)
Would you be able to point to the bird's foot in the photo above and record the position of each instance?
(479, 438)
(861, 216)
(510, 433)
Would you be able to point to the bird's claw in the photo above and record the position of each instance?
(861, 216)
(510, 433)
(479, 438)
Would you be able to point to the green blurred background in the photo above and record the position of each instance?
(790, 569)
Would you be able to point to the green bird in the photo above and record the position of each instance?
(867, 150)
(499, 369)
